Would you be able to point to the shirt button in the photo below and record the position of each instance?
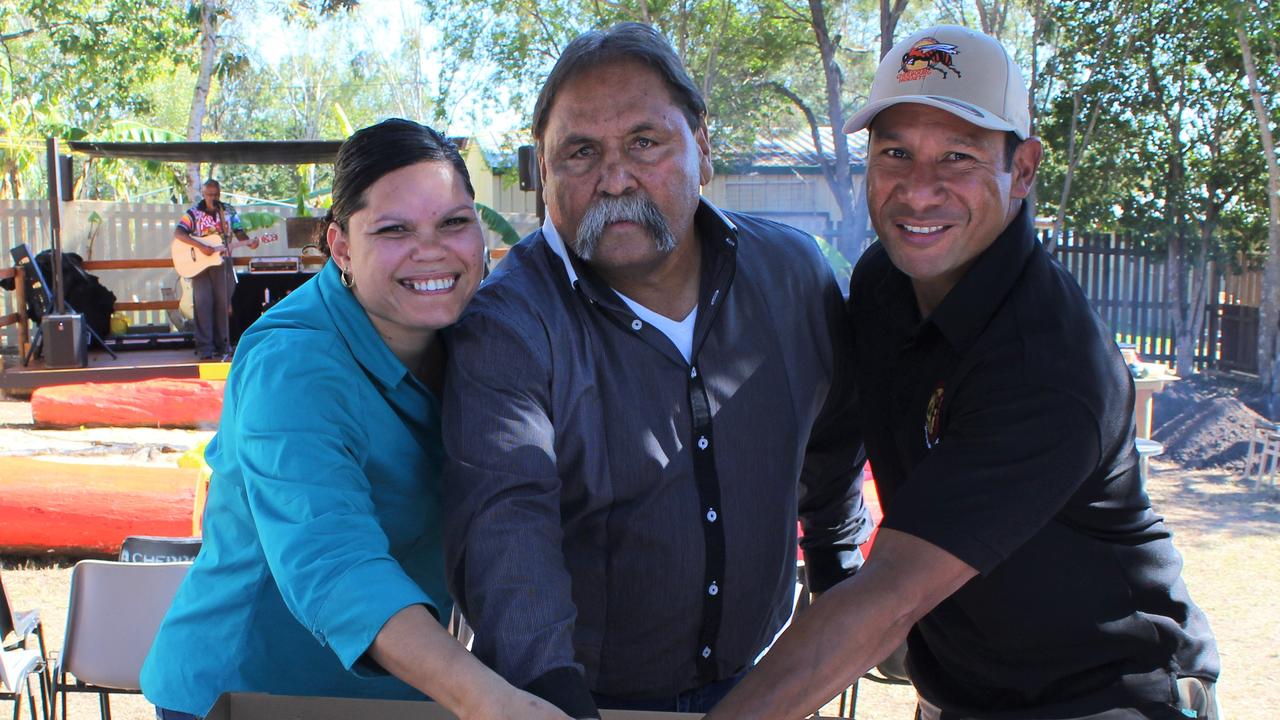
(636, 325)
(703, 443)
(693, 372)
(711, 515)
(706, 651)
(713, 589)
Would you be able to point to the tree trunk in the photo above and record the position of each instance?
(1076, 153)
(840, 176)
(1189, 313)
(848, 240)
(200, 98)
(1267, 319)
(1037, 28)
(708, 75)
(992, 16)
(890, 12)
(858, 231)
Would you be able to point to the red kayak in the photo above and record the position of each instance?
(49, 507)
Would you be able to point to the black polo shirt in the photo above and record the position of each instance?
(1001, 430)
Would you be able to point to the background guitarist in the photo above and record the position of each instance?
(211, 289)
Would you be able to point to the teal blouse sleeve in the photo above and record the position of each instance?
(301, 450)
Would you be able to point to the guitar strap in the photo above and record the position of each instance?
(224, 228)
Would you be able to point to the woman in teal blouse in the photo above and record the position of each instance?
(321, 571)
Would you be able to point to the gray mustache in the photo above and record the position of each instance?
(633, 207)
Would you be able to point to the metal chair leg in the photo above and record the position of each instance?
(62, 682)
(46, 675)
(31, 699)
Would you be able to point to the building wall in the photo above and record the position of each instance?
(802, 200)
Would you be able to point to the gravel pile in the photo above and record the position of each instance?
(1206, 421)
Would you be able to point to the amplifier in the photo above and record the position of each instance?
(273, 265)
(65, 341)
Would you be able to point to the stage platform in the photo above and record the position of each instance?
(128, 366)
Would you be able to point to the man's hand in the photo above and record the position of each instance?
(207, 250)
(853, 626)
(254, 243)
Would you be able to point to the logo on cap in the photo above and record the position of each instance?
(926, 56)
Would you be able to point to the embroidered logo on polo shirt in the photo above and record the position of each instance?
(925, 57)
(933, 418)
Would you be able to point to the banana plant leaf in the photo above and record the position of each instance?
(840, 265)
(498, 224)
(258, 220)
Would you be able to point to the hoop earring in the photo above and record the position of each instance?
(344, 276)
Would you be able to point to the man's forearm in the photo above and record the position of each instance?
(846, 631)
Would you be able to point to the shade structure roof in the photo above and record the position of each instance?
(238, 152)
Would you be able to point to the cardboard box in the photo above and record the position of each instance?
(255, 706)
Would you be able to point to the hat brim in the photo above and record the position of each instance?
(969, 113)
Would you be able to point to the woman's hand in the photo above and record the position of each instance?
(413, 647)
(513, 704)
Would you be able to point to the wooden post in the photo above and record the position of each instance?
(20, 298)
(55, 224)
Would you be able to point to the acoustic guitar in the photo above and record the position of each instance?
(190, 262)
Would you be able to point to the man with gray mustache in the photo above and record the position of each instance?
(641, 401)
(608, 210)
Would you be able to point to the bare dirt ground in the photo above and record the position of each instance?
(1227, 530)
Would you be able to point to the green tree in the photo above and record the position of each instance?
(1163, 93)
(1256, 28)
(75, 67)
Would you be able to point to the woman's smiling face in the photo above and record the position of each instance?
(414, 251)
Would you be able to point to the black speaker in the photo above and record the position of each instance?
(66, 343)
(66, 180)
(527, 157)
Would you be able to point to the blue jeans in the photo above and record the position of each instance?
(162, 714)
(698, 700)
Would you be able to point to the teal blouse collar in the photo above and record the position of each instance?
(355, 327)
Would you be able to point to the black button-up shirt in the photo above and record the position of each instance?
(1001, 430)
(620, 519)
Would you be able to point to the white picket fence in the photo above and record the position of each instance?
(110, 231)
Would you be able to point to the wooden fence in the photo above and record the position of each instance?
(1127, 287)
(110, 231)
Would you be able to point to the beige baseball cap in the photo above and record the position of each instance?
(952, 68)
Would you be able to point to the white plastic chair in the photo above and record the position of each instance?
(1264, 453)
(1146, 449)
(112, 618)
(16, 628)
(21, 623)
(16, 668)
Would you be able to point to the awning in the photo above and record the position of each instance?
(240, 152)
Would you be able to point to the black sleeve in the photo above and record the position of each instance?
(502, 511)
(832, 513)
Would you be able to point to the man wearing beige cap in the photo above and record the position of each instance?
(1019, 555)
